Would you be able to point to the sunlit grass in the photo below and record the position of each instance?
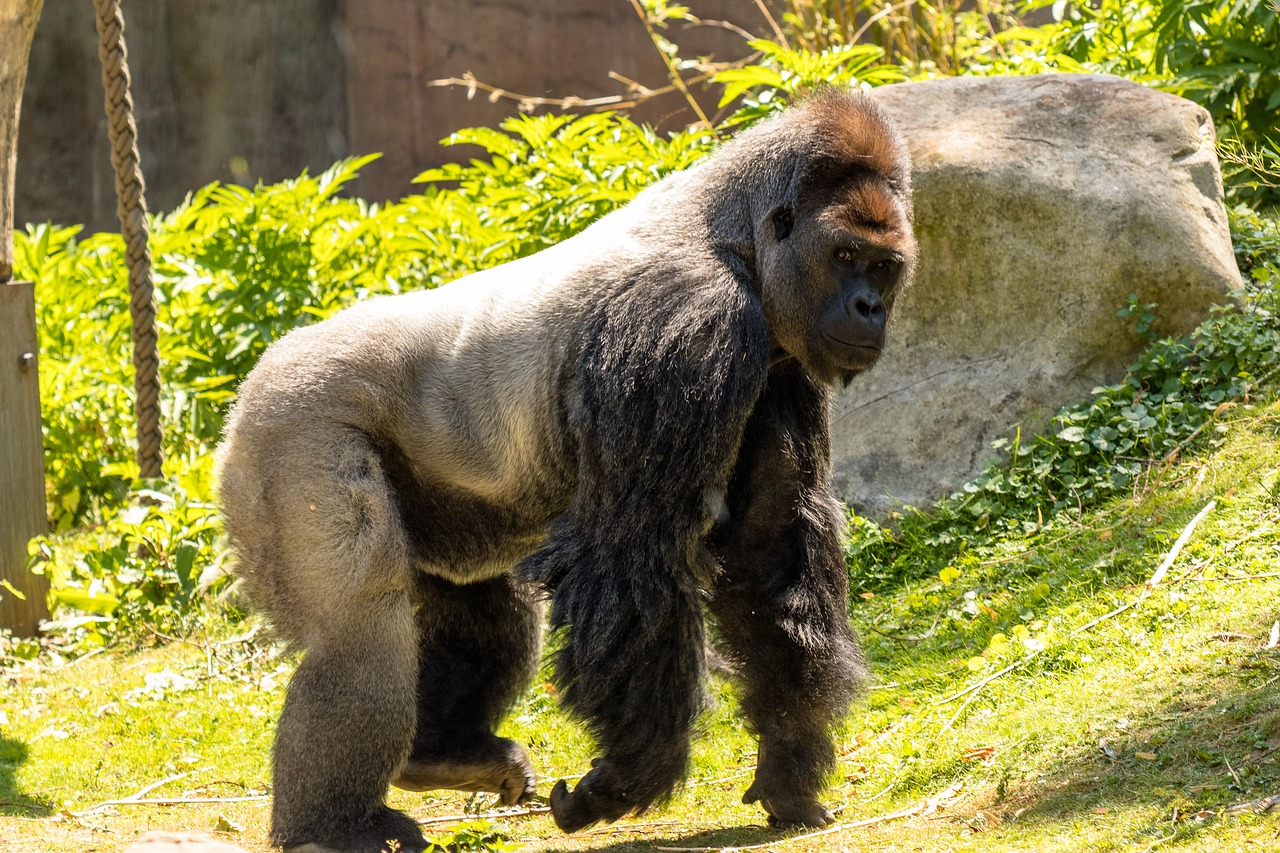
(1144, 729)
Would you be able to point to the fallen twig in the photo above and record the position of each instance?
(1236, 578)
(135, 797)
(1159, 573)
(173, 801)
(923, 807)
(1266, 805)
(493, 815)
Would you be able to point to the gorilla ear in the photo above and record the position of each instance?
(783, 220)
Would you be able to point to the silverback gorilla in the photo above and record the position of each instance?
(633, 423)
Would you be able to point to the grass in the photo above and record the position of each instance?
(1138, 734)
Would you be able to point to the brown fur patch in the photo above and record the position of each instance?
(855, 131)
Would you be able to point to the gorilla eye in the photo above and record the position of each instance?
(845, 255)
(883, 266)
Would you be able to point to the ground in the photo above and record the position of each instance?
(1157, 727)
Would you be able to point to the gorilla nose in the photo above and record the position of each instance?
(867, 305)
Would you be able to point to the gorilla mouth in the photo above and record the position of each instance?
(855, 355)
(849, 346)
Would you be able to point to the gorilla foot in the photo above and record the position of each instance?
(592, 801)
(507, 772)
(386, 829)
(788, 811)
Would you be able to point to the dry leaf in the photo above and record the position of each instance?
(867, 595)
(228, 826)
(1102, 811)
(978, 753)
(1146, 756)
(1107, 750)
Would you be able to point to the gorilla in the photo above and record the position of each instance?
(633, 424)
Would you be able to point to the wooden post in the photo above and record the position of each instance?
(22, 510)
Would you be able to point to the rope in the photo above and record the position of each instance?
(131, 207)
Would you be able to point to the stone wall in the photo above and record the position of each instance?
(238, 90)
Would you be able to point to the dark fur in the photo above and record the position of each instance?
(637, 422)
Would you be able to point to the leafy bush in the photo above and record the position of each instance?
(923, 38)
(148, 568)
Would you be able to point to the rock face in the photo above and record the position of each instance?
(1041, 204)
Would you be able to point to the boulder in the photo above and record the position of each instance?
(1041, 204)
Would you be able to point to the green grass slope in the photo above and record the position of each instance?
(1155, 727)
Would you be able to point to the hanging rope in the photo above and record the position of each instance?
(131, 206)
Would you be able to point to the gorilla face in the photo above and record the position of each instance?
(831, 277)
(851, 332)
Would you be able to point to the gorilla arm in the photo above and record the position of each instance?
(780, 603)
(664, 391)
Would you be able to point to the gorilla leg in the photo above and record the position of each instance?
(346, 725)
(480, 645)
(781, 601)
(323, 552)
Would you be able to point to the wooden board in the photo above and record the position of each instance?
(22, 509)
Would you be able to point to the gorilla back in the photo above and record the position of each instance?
(633, 423)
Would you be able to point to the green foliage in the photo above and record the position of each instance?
(543, 180)
(924, 38)
(783, 74)
(471, 836)
(151, 565)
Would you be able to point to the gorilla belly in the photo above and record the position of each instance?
(462, 536)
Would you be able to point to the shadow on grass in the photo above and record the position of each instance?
(14, 803)
(1173, 771)
(727, 838)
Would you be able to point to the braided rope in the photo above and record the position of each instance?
(132, 209)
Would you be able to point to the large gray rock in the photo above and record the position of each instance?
(1041, 204)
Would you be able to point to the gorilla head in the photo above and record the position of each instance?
(837, 247)
(633, 423)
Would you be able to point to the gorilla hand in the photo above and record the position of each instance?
(597, 797)
(786, 785)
